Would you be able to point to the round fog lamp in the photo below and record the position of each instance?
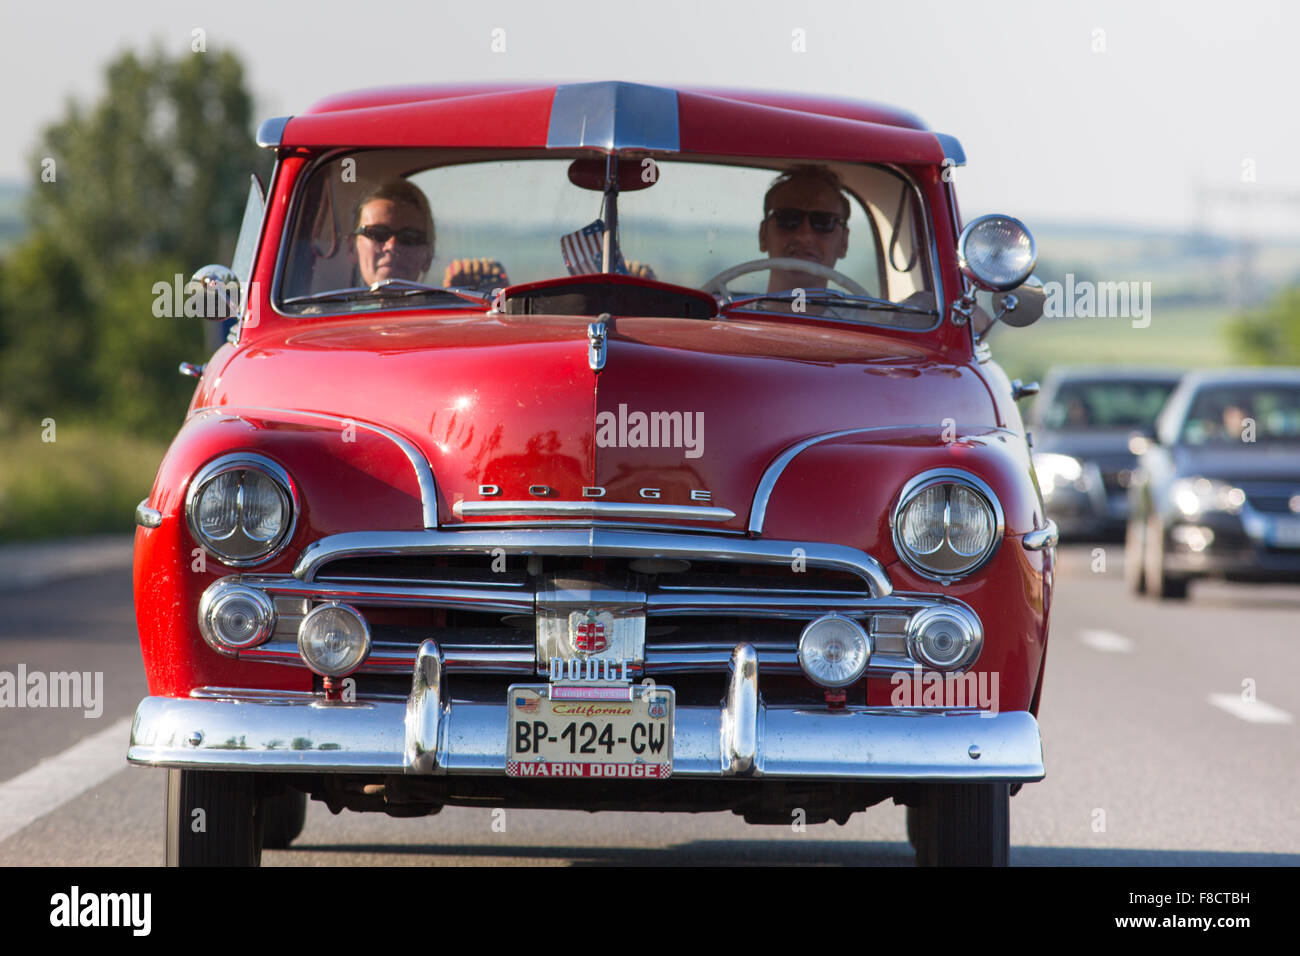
(234, 617)
(944, 637)
(834, 651)
(334, 639)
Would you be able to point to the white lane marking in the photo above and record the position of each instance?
(1254, 711)
(56, 780)
(1107, 641)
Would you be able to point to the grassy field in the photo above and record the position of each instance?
(83, 482)
(1190, 337)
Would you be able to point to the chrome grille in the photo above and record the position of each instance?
(703, 595)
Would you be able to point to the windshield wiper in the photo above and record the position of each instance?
(830, 296)
(389, 288)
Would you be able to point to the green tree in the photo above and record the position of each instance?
(1271, 334)
(148, 181)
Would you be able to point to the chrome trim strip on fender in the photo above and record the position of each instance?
(1041, 539)
(592, 509)
(147, 517)
(419, 464)
(614, 116)
(593, 542)
(772, 475)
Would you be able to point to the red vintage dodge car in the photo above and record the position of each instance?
(600, 446)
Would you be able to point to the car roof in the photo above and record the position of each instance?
(608, 116)
(1062, 374)
(1242, 376)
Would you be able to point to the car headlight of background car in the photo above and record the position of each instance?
(1196, 496)
(947, 524)
(242, 508)
(1056, 471)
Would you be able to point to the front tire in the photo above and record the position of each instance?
(1135, 578)
(283, 817)
(964, 824)
(213, 819)
(1159, 583)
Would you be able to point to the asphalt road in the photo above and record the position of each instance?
(1153, 755)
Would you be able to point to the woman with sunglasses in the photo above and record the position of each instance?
(392, 235)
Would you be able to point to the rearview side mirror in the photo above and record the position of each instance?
(219, 292)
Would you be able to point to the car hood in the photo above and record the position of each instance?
(511, 401)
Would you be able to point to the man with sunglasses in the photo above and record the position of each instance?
(805, 216)
(392, 234)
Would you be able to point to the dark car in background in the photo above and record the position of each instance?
(1082, 425)
(1217, 491)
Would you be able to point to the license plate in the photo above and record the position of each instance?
(1286, 533)
(610, 731)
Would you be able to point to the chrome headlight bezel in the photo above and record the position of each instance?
(243, 461)
(304, 628)
(218, 595)
(953, 565)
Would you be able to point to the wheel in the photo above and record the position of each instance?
(718, 284)
(964, 824)
(1159, 583)
(1135, 578)
(213, 819)
(918, 834)
(283, 816)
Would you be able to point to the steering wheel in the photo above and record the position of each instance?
(718, 284)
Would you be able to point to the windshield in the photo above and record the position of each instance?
(395, 228)
(1082, 406)
(1246, 413)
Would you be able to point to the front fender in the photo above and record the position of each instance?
(347, 478)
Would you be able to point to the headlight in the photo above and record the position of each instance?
(234, 617)
(334, 639)
(997, 252)
(1194, 496)
(947, 524)
(834, 651)
(1056, 471)
(241, 508)
(944, 636)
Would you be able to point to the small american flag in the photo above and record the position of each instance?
(583, 250)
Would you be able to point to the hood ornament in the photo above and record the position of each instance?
(596, 343)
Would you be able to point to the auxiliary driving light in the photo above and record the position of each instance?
(334, 639)
(234, 617)
(834, 651)
(944, 636)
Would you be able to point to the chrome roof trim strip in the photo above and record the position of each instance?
(271, 133)
(953, 154)
(592, 509)
(614, 116)
(423, 473)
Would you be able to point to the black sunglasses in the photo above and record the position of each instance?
(788, 220)
(405, 237)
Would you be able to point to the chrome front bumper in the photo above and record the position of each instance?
(429, 734)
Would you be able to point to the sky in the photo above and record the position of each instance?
(1112, 112)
